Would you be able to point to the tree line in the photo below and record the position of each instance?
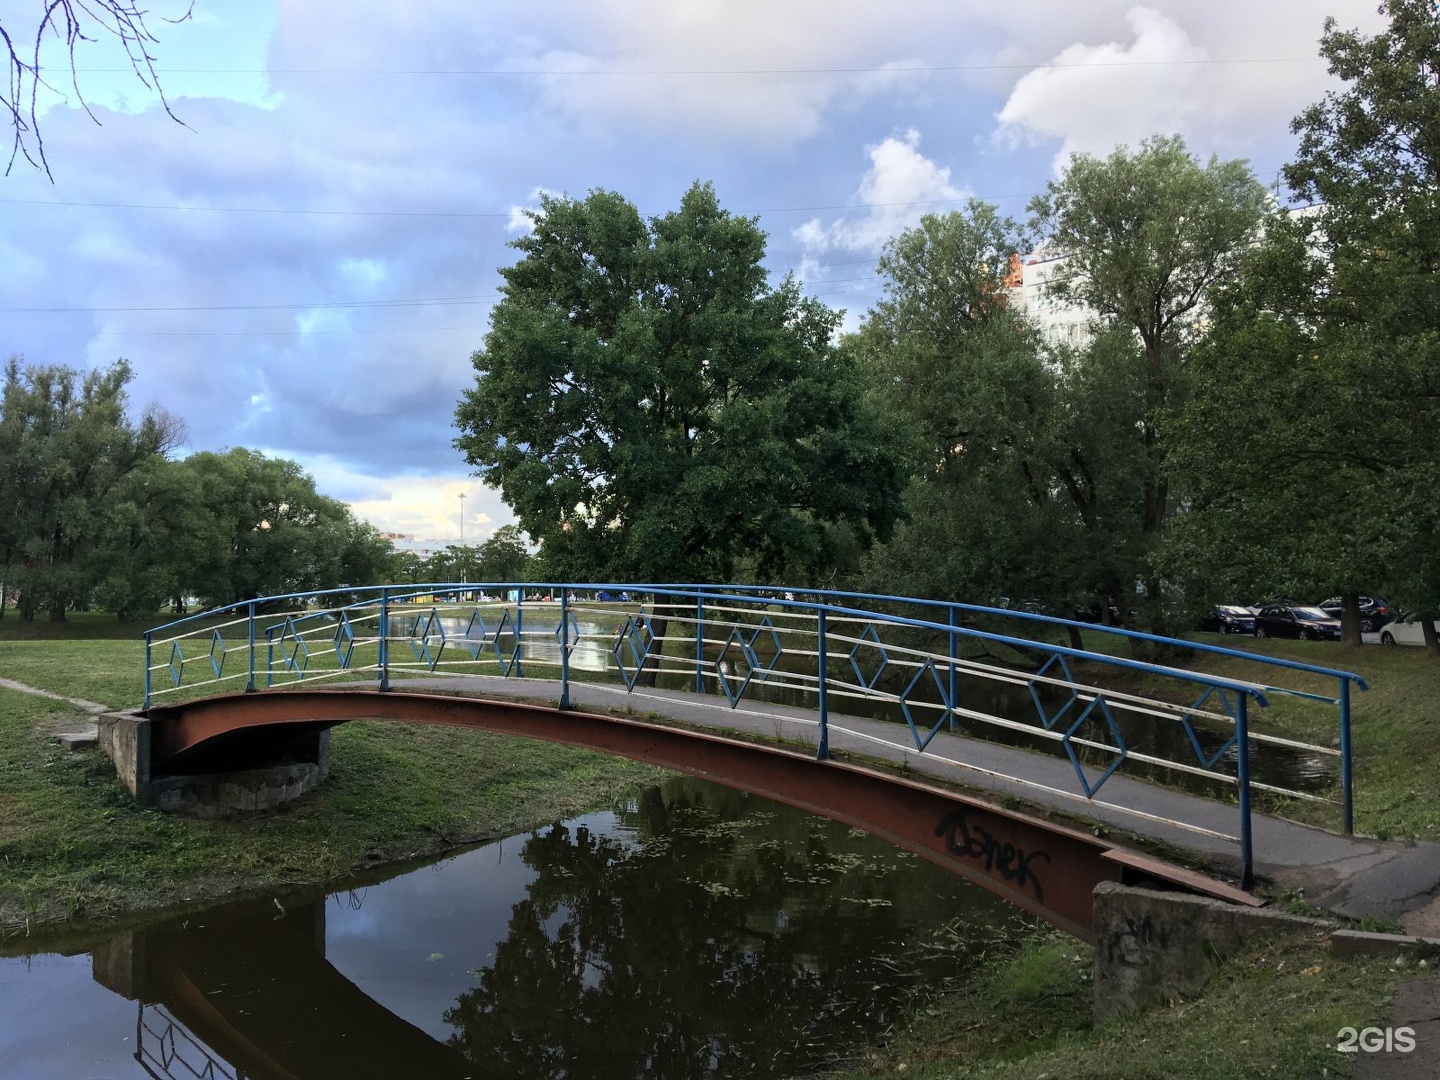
(97, 511)
(1252, 412)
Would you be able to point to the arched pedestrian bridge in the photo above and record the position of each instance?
(923, 722)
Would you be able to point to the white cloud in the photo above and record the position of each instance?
(1091, 97)
(427, 508)
(380, 155)
(900, 186)
(742, 69)
(519, 221)
(1177, 71)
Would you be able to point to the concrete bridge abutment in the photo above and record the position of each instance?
(128, 740)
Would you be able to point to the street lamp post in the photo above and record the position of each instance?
(463, 578)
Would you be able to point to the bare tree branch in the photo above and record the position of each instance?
(71, 22)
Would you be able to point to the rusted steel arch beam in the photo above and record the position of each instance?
(1047, 869)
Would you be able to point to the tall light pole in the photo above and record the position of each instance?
(463, 578)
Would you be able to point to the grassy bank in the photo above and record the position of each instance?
(73, 844)
(1275, 1012)
(1397, 787)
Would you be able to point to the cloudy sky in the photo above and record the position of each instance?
(306, 265)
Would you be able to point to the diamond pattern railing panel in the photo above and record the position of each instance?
(217, 653)
(1047, 718)
(573, 638)
(926, 681)
(344, 641)
(1209, 760)
(506, 644)
(733, 654)
(1109, 724)
(765, 648)
(632, 646)
(476, 635)
(870, 652)
(293, 651)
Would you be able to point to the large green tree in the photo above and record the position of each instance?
(1144, 237)
(653, 409)
(263, 530)
(69, 454)
(1322, 385)
(998, 506)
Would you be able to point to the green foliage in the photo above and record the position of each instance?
(966, 374)
(1272, 1011)
(73, 843)
(1316, 394)
(504, 557)
(652, 409)
(94, 512)
(69, 458)
(1045, 474)
(1147, 235)
(258, 527)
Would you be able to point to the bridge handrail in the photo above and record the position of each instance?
(1055, 620)
(1254, 690)
(822, 605)
(766, 592)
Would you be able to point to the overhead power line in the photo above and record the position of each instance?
(424, 301)
(260, 333)
(436, 301)
(473, 213)
(917, 69)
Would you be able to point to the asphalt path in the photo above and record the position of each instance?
(1352, 876)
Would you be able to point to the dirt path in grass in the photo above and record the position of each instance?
(63, 723)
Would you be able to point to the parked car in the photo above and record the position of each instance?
(1406, 630)
(1229, 619)
(1374, 612)
(1307, 623)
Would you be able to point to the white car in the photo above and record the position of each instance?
(1406, 630)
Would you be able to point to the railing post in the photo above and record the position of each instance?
(519, 667)
(954, 655)
(700, 644)
(384, 639)
(564, 648)
(1242, 776)
(147, 670)
(1347, 791)
(822, 751)
(269, 657)
(250, 645)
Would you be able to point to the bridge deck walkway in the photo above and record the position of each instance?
(1352, 876)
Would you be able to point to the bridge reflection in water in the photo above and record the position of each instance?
(260, 1002)
(692, 932)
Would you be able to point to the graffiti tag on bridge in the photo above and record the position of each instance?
(975, 842)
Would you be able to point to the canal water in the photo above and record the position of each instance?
(693, 932)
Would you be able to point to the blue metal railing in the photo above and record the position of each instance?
(791, 642)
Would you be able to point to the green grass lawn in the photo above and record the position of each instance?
(74, 844)
(1397, 783)
(1272, 1012)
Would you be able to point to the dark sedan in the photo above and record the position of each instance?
(1374, 612)
(1229, 619)
(1306, 623)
